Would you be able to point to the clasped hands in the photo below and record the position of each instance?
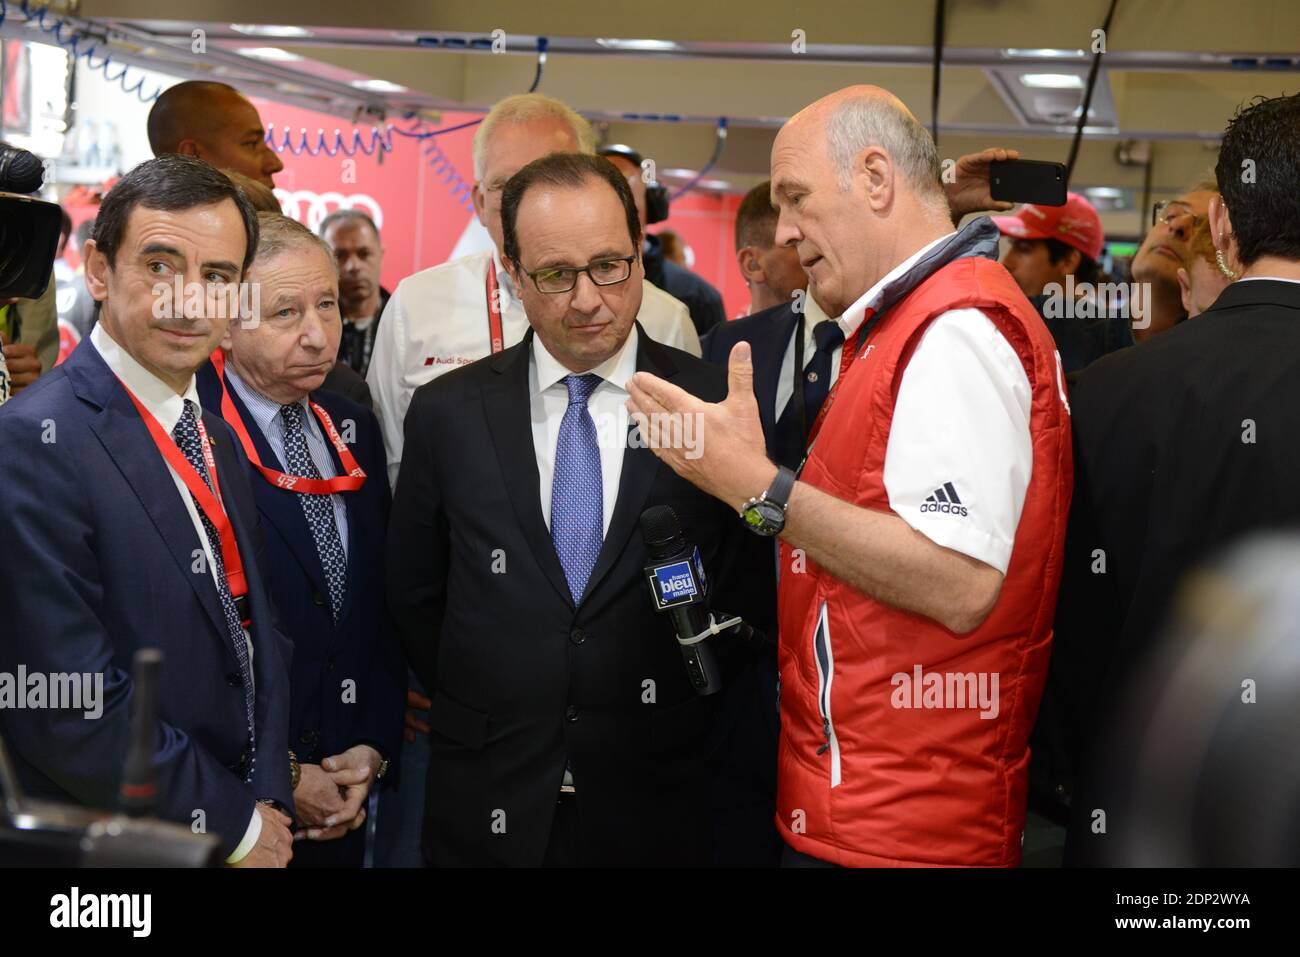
(331, 796)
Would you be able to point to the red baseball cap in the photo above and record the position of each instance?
(1075, 224)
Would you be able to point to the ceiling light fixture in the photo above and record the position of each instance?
(378, 86)
(269, 53)
(641, 46)
(1052, 81)
(265, 30)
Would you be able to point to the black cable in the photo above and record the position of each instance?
(938, 58)
(1087, 95)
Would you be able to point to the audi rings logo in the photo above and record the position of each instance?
(310, 208)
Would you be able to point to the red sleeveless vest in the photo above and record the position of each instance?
(868, 775)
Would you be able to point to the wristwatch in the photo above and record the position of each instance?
(295, 771)
(765, 515)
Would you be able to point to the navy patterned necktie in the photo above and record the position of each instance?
(791, 435)
(577, 496)
(319, 509)
(187, 439)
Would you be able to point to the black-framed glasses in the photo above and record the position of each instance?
(1169, 211)
(602, 272)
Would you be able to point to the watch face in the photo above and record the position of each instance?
(765, 518)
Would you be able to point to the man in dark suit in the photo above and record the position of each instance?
(564, 728)
(1184, 444)
(324, 526)
(161, 548)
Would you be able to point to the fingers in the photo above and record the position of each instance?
(348, 776)
(740, 372)
(663, 395)
(356, 797)
(414, 725)
(417, 701)
(326, 833)
(332, 833)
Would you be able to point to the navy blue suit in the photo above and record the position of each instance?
(99, 561)
(325, 718)
(768, 334)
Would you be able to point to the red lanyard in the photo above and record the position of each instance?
(847, 355)
(496, 338)
(209, 503)
(298, 483)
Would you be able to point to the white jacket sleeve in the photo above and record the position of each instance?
(387, 379)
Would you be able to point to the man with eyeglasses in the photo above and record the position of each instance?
(1163, 253)
(564, 728)
(454, 313)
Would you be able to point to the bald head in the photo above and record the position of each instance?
(855, 181)
(216, 123)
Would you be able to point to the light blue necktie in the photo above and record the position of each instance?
(577, 497)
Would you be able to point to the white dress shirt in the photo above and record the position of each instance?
(166, 407)
(437, 319)
(961, 423)
(548, 398)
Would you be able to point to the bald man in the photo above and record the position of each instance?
(921, 539)
(216, 123)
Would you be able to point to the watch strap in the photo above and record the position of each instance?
(778, 493)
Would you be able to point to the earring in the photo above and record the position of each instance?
(1223, 264)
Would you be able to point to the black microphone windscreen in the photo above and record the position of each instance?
(660, 529)
(23, 173)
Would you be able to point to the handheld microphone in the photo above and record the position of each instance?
(138, 788)
(678, 586)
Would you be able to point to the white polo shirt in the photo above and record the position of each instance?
(437, 319)
(959, 457)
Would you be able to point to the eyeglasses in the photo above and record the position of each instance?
(1169, 211)
(602, 272)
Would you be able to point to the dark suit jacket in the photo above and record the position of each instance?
(520, 679)
(768, 334)
(94, 570)
(1183, 444)
(362, 646)
(343, 380)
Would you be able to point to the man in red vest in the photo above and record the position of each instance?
(922, 538)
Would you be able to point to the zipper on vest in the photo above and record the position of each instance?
(825, 659)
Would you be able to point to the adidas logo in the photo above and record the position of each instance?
(944, 499)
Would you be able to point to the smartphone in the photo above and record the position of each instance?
(1027, 181)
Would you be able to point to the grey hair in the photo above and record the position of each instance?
(278, 233)
(865, 121)
(523, 108)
